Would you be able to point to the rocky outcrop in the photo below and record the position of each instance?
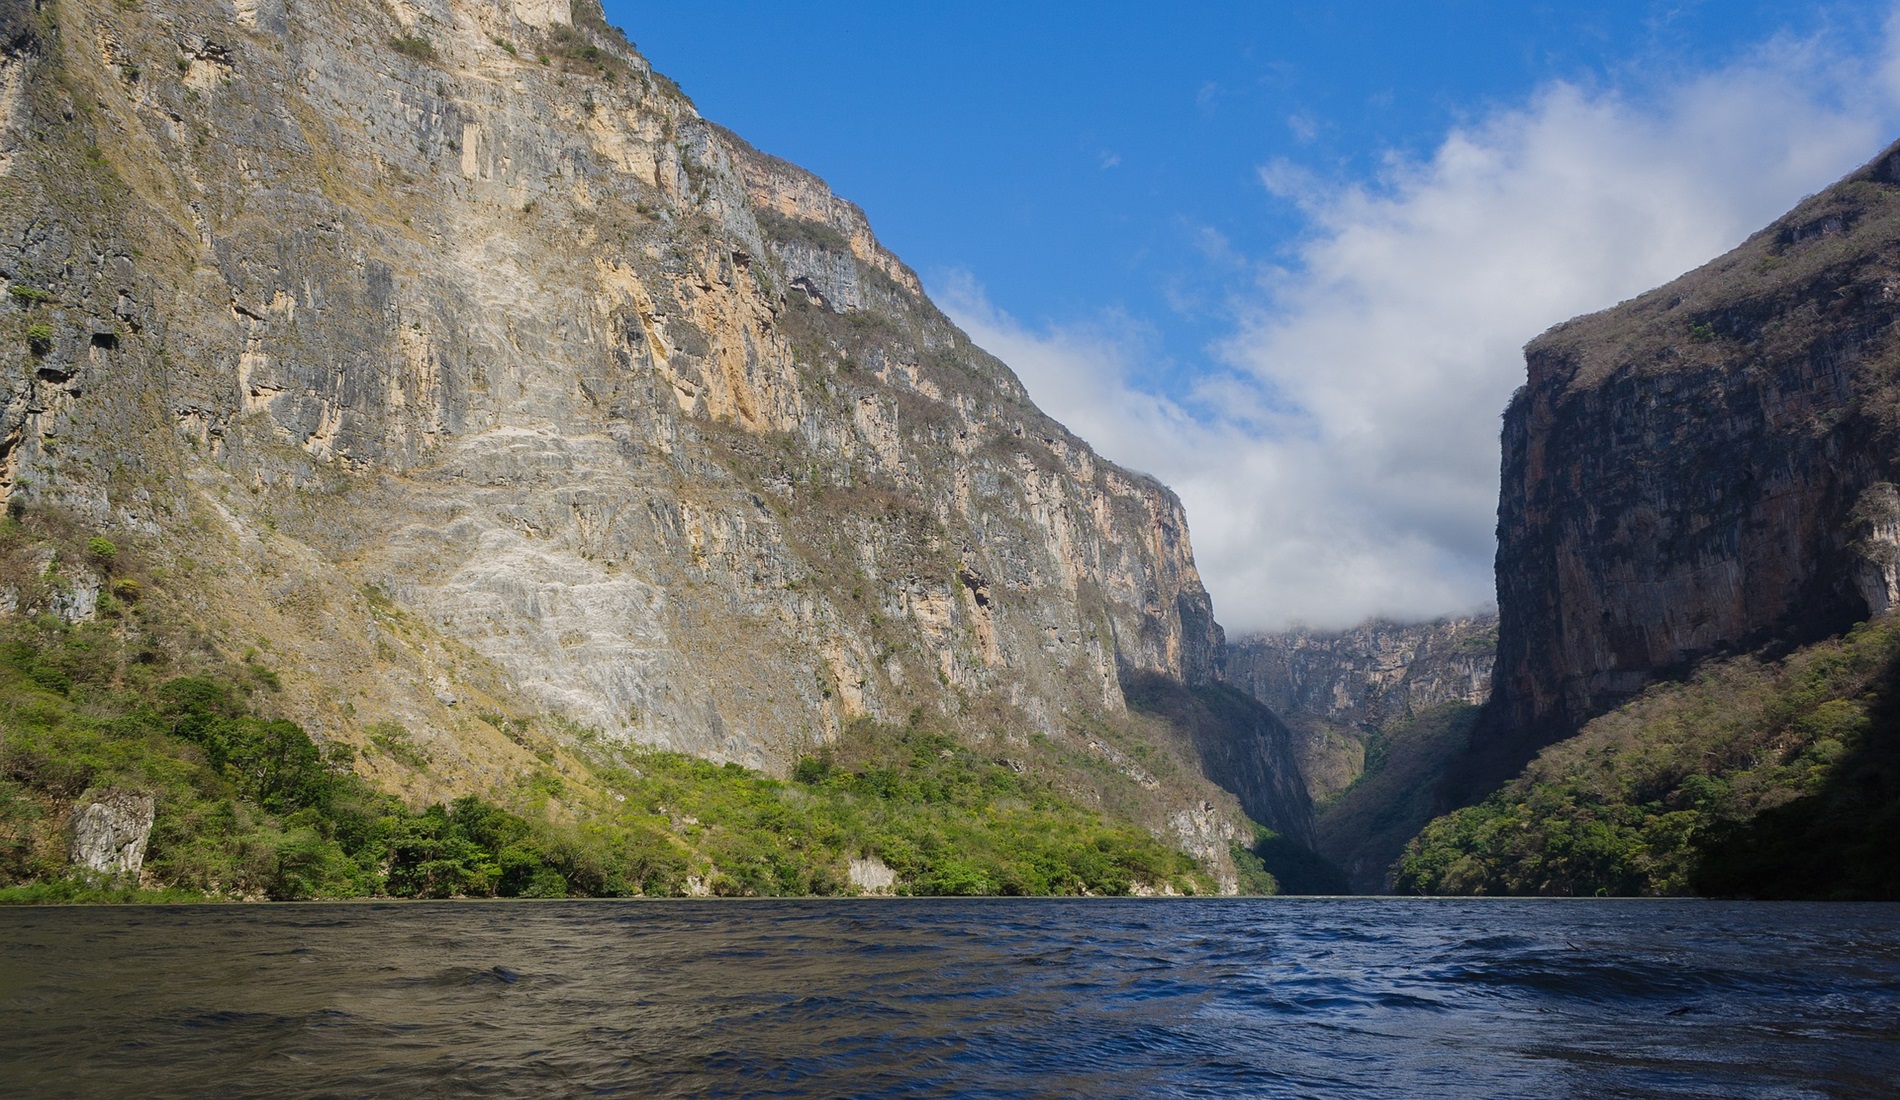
(488, 373)
(1706, 468)
(1335, 689)
(110, 828)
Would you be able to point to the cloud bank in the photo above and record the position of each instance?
(1339, 458)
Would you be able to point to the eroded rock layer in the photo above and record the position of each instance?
(1705, 468)
(1335, 689)
(457, 362)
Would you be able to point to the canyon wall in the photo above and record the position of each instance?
(1335, 689)
(1707, 468)
(443, 353)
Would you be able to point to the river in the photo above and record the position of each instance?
(967, 998)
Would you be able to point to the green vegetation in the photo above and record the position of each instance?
(39, 338)
(943, 818)
(1367, 825)
(415, 46)
(571, 44)
(803, 231)
(394, 741)
(28, 294)
(1767, 780)
(251, 806)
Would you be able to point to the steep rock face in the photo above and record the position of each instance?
(1702, 469)
(456, 360)
(1234, 737)
(1337, 688)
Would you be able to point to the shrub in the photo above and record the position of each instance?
(414, 46)
(1698, 786)
(396, 743)
(573, 45)
(253, 806)
(813, 769)
(39, 338)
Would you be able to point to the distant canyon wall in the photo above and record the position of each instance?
(1336, 688)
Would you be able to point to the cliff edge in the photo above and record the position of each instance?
(1708, 468)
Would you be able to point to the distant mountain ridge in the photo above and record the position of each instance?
(1337, 688)
(1378, 712)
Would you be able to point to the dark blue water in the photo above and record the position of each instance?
(1273, 998)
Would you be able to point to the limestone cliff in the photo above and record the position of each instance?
(1706, 468)
(1335, 689)
(440, 350)
(1377, 713)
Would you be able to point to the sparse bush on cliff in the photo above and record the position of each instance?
(414, 46)
(252, 806)
(572, 44)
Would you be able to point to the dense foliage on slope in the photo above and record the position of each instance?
(249, 805)
(1753, 779)
(1365, 827)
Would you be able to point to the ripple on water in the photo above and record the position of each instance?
(1339, 998)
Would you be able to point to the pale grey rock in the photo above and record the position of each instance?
(645, 420)
(110, 828)
(1877, 517)
(871, 875)
(76, 598)
(1206, 834)
(1335, 689)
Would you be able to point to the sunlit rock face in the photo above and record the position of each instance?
(1705, 468)
(1337, 688)
(110, 829)
(453, 357)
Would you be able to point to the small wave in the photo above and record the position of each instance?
(1331, 1000)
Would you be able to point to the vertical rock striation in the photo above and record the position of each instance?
(1706, 468)
(1335, 689)
(484, 368)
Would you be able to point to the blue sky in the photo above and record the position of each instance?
(1283, 255)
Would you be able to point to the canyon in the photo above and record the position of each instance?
(435, 363)
(440, 356)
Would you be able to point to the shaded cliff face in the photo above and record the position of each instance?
(1236, 738)
(1337, 688)
(1377, 713)
(1705, 468)
(452, 358)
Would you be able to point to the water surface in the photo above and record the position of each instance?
(1229, 998)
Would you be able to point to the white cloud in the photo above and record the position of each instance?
(1341, 461)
